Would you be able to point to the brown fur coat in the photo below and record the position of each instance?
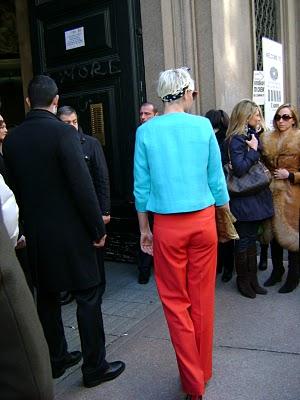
(283, 151)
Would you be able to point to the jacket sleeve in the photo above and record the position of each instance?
(216, 178)
(141, 174)
(100, 177)
(80, 182)
(241, 158)
(297, 177)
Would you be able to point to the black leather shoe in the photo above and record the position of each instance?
(227, 275)
(191, 397)
(66, 298)
(143, 278)
(71, 359)
(114, 370)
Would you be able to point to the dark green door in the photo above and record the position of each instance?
(93, 50)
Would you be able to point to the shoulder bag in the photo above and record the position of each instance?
(257, 178)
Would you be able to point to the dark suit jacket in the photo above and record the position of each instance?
(24, 357)
(57, 199)
(95, 159)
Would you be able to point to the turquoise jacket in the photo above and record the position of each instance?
(177, 165)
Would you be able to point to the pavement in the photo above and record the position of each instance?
(256, 347)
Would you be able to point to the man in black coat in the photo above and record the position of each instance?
(60, 210)
(95, 159)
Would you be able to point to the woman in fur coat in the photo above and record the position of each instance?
(281, 152)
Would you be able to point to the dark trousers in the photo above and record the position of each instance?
(90, 326)
(24, 262)
(100, 261)
(225, 256)
(145, 261)
(247, 231)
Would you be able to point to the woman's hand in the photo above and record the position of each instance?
(146, 243)
(281, 173)
(253, 143)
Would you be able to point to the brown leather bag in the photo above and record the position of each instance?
(225, 228)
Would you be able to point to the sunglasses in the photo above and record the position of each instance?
(284, 117)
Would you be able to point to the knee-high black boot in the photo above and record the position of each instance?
(277, 261)
(263, 258)
(252, 267)
(243, 275)
(292, 279)
(228, 254)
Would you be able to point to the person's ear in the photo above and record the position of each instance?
(28, 102)
(55, 100)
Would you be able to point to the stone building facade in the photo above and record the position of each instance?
(218, 40)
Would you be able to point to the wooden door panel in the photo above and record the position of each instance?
(103, 79)
(83, 100)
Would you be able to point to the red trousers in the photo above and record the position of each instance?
(185, 257)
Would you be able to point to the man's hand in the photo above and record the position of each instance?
(146, 242)
(100, 243)
(106, 219)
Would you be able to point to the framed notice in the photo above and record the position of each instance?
(74, 38)
(273, 70)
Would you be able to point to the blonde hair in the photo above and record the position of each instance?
(294, 112)
(173, 83)
(240, 116)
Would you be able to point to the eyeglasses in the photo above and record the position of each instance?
(285, 117)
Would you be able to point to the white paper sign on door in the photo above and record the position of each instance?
(74, 38)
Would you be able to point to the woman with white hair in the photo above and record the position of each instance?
(178, 176)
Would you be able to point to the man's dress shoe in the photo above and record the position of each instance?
(71, 359)
(115, 369)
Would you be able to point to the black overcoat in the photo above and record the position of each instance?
(57, 201)
(95, 159)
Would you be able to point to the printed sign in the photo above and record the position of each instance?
(258, 95)
(273, 70)
(74, 38)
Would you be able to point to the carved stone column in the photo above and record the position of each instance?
(169, 40)
(289, 25)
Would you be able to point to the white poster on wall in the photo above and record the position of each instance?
(74, 38)
(273, 71)
(258, 94)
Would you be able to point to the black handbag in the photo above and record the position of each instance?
(257, 178)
